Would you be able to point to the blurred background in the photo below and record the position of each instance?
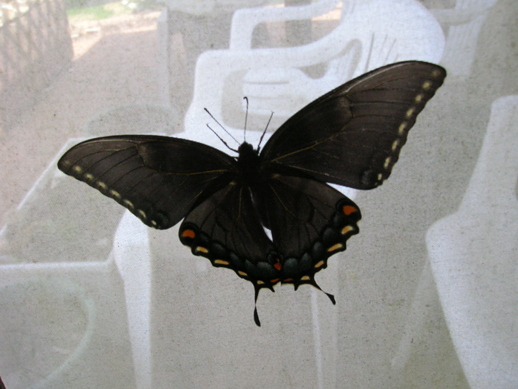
(426, 294)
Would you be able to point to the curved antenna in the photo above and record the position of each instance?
(224, 129)
(264, 132)
(246, 114)
(221, 139)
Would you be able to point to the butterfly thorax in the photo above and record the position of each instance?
(248, 163)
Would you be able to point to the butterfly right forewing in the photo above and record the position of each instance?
(353, 135)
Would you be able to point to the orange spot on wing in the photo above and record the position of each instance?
(348, 209)
(278, 264)
(288, 280)
(335, 247)
(274, 281)
(188, 234)
(347, 229)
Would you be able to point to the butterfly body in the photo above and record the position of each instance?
(249, 166)
(262, 194)
(268, 214)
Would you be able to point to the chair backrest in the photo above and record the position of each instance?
(463, 24)
(373, 33)
(494, 178)
(245, 20)
(370, 34)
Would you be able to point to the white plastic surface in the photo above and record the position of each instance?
(245, 20)
(463, 23)
(474, 259)
(82, 292)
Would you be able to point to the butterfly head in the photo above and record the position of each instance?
(248, 162)
(246, 149)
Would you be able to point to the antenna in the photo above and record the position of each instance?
(246, 115)
(221, 139)
(264, 132)
(224, 129)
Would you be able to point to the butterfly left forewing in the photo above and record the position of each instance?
(353, 135)
(154, 177)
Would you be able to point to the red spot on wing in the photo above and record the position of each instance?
(348, 209)
(188, 234)
(277, 265)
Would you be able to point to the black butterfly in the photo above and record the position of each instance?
(351, 136)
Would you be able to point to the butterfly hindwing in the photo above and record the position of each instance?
(353, 135)
(226, 224)
(310, 221)
(304, 214)
(155, 177)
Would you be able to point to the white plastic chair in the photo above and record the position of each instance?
(473, 255)
(94, 281)
(463, 24)
(118, 285)
(208, 7)
(375, 33)
(261, 85)
(244, 21)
